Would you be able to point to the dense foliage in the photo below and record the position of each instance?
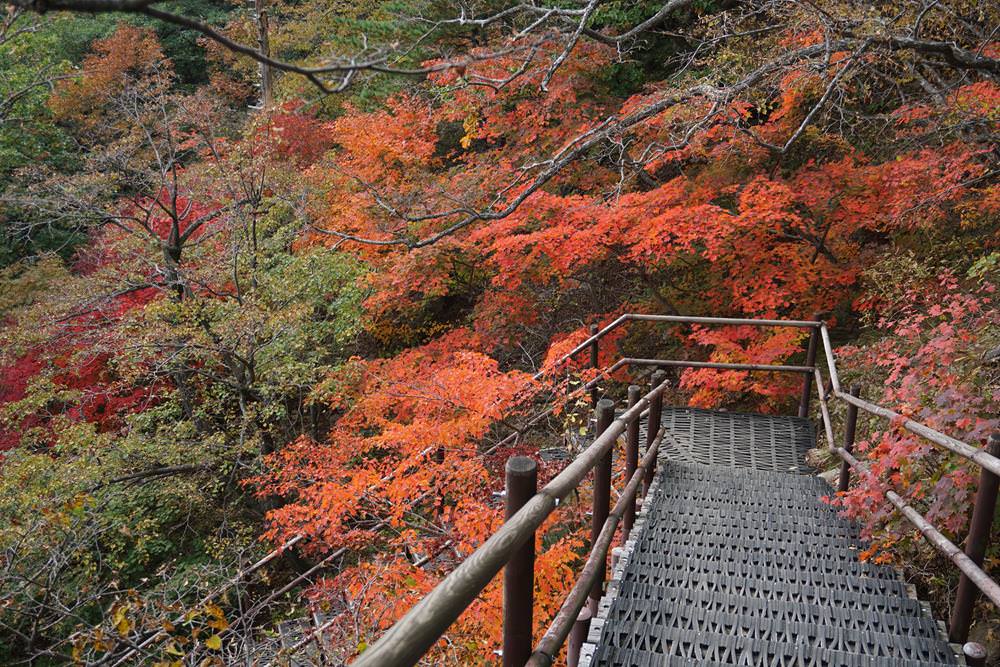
(303, 333)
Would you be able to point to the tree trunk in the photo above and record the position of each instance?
(264, 46)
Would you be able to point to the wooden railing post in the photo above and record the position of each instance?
(631, 459)
(975, 546)
(653, 426)
(975, 654)
(519, 573)
(602, 495)
(577, 636)
(594, 363)
(850, 429)
(810, 361)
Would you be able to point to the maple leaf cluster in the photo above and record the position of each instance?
(928, 364)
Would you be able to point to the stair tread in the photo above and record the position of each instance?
(646, 635)
(695, 610)
(733, 564)
(683, 505)
(668, 521)
(896, 605)
(618, 657)
(770, 583)
(711, 534)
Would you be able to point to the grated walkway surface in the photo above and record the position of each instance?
(737, 561)
(737, 440)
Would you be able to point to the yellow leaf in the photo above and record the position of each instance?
(215, 610)
(214, 642)
(121, 622)
(470, 125)
(218, 624)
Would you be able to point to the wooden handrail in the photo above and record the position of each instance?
(975, 454)
(685, 363)
(680, 319)
(982, 458)
(982, 580)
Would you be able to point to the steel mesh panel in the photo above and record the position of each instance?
(694, 474)
(897, 606)
(738, 564)
(765, 583)
(737, 440)
(747, 654)
(718, 512)
(789, 526)
(764, 639)
(708, 612)
(771, 541)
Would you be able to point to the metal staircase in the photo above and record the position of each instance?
(734, 561)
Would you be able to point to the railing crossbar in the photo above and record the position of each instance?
(831, 363)
(725, 321)
(824, 408)
(974, 454)
(684, 363)
(684, 319)
(975, 573)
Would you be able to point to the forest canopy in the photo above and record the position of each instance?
(282, 283)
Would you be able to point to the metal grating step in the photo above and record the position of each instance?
(770, 540)
(714, 494)
(734, 480)
(738, 440)
(873, 604)
(806, 514)
(755, 654)
(844, 549)
(736, 563)
(765, 582)
(654, 637)
(699, 611)
(823, 557)
(721, 480)
(792, 527)
(687, 473)
(628, 658)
